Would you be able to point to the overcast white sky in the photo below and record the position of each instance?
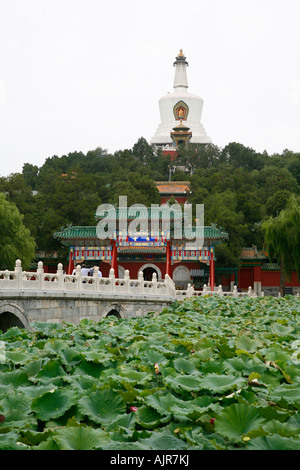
(81, 74)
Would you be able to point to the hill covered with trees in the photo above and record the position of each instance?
(239, 187)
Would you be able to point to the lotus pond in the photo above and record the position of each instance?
(211, 373)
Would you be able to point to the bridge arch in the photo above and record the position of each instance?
(11, 315)
(114, 309)
(153, 268)
(181, 276)
(121, 272)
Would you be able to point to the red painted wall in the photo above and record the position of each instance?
(173, 154)
(246, 278)
(134, 267)
(294, 280)
(272, 278)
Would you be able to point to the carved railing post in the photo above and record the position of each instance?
(189, 291)
(60, 276)
(112, 279)
(127, 280)
(40, 275)
(220, 290)
(19, 274)
(96, 279)
(141, 281)
(78, 277)
(154, 283)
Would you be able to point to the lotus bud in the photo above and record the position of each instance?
(133, 408)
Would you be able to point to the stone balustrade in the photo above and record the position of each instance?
(190, 292)
(27, 296)
(59, 281)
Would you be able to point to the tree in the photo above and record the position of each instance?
(221, 209)
(241, 156)
(143, 150)
(139, 189)
(74, 197)
(282, 239)
(19, 192)
(30, 174)
(15, 239)
(280, 178)
(277, 202)
(199, 155)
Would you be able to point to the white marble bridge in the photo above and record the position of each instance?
(27, 296)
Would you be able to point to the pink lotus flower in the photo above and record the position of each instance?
(156, 368)
(212, 420)
(133, 408)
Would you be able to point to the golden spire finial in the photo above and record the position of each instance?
(180, 53)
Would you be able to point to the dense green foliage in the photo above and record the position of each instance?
(228, 379)
(282, 236)
(15, 239)
(238, 186)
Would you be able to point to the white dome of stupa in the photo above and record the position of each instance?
(180, 105)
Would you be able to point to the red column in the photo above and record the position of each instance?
(114, 258)
(212, 270)
(71, 261)
(168, 258)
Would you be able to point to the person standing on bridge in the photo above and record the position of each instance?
(84, 270)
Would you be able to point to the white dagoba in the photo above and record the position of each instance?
(180, 106)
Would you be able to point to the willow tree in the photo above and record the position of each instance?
(282, 240)
(16, 241)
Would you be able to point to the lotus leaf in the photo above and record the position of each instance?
(184, 382)
(103, 405)
(237, 420)
(149, 418)
(274, 442)
(219, 383)
(227, 378)
(53, 404)
(163, 440)
(80, 438)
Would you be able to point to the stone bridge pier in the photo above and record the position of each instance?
(24, 309)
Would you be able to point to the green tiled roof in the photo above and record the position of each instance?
(81, 232)
(212, 234)
(270, 267)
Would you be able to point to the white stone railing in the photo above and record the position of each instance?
(59, 281)
(190, 292)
